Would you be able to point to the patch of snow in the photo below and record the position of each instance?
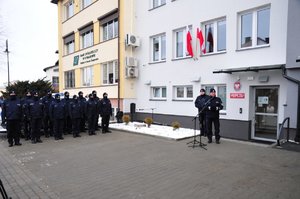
(156, 130)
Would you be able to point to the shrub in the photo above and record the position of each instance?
(175, 125)
(126, 119)
(148, 121)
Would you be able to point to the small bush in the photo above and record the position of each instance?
(126, 119)
(148, 121)
(176, 125)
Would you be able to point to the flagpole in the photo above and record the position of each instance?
(7, 54)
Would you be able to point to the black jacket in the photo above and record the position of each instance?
(214, 105)
(12, 109)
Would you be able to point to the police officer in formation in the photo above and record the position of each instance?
(82, 102)
(47, 122)
(105, 112)
(76, 113)
(12, 113)
(58, 111)
(214, 105)
(26, 122)
(92, 114)
(96, 99)
(68, 121)
(200, 103)
(35, 114)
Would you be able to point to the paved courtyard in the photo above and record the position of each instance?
(131, 166)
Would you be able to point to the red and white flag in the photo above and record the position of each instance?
(201, 39)
(189, 45)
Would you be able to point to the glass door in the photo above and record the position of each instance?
(266, 113)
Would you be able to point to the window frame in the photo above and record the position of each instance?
(160, 48)
(254, 26)
(69, 4)
(215, 35)
(115, 29)
(159, 3)
(161, 92)
(87, 73)
(106, 73)
(84, 37)
(69, 83)
(185, 92)
(84, 5)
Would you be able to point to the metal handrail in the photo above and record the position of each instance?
(280, 130)
(2, 191)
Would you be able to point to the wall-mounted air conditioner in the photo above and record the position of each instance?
(131, 72)
(132, 40)
(130, 61)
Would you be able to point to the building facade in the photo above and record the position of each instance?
(250, 46)
(136, 51)
(52, 75)
(92, 48)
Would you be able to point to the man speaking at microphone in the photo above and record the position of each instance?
(214, 105)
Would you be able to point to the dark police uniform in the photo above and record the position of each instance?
(105, 112)
(47, 122)
(97, 99)
(200, 103)
(26, 122)
(68, 121)
(214, 105)
(12, 112)
(82, 102)
(57, 114)
(36, 113)
(91, 113)
(76, 113)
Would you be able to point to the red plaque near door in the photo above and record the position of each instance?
(237, 85)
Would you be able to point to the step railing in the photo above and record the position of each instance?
(287, 119)
(2, 191)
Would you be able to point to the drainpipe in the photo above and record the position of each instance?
(119, 49)
(297, 137)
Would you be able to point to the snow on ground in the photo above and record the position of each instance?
(155, 130)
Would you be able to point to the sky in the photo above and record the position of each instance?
(31, 30)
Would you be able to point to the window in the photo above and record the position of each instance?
(85, 3)
(87, 36)
(158, 48)
(110, 29)
(183, 92)
(69, 42)
(215, 36)
(55, 70)
(159, 92)
(110, 72)
(69, 8)
(70, 79)
(220, 92)
(255, 28)
(180, 42)
(157, 3)
(87, 76)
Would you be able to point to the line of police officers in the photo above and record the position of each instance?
(57, 116)
(208, 111)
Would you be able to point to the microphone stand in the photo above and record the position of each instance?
(195, 141)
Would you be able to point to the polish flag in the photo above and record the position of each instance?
(201, 39)
(189, 44)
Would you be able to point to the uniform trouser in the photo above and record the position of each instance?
(82, 123)
(58, 128)
(202, 123)
(48, 126)
(26, 128)
(96, 124)
(68, 125)
(36, 125)
(216, 122)
(105, 122)
(76, 126)
(92, 123)
(13, 131)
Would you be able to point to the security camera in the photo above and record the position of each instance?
(298, 59)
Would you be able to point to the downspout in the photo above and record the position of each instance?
(119, 49)
(297, 137)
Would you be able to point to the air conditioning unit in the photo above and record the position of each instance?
(130, 61)
(132, 40)
(131, 72)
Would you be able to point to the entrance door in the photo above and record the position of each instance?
(266, 113)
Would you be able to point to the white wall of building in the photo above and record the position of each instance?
(179, 13)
